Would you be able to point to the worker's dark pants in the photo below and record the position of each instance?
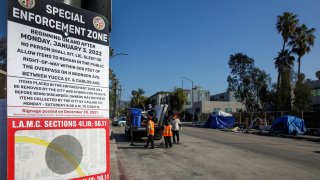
(175, 133)
(150, 139)
(167, 141)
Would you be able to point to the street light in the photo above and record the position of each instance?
(118, 88)
(125, 54)
(191, 96)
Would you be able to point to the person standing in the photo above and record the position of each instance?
(176, 125)
(167, 133)
(150, 131)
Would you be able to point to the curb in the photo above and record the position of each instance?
(299, 137)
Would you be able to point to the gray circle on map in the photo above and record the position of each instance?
(64, 154)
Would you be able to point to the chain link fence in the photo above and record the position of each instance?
(245, 119)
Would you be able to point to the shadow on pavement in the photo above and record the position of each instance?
(120, 137)
(317, 152)
(133, 147)
(124, 138)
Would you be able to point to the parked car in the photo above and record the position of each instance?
(119, 121)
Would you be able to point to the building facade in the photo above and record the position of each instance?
(197, 94)
(202, 101)
(208, 107)
(160, 97)
(225, 96)
(225, 101)
(315, 99)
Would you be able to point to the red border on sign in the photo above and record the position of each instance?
(39, 124)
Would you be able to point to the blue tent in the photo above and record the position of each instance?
(288, 125)
(219, 122)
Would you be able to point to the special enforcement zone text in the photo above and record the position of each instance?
(58, 25)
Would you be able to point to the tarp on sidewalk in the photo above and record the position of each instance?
(219, 122)
(288, 125)
(225, 114)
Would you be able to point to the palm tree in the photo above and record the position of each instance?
(286, 25)
(138, 99)
(283, 61)
(114, 83)
(318, 75)
(111, 52)
(301, 42)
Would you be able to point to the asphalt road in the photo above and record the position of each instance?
(214, 154)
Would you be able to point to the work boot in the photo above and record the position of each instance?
(161, 144)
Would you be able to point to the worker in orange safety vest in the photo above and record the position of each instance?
(167, 134)
(150, 131)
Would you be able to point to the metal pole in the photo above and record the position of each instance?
(192, 101)
(119, 98)
(182, 84)
(192, 108)
(118, 54)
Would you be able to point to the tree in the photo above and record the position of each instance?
(318, 75)
(3, 54)
(111, 52)
(177, 99)
(138, 100)
(271, 104)
(286, 25)
(113, 84)
(260, 82)
(301, 42)
(284, 95)
(283, 61)
(151, 102)
(302, 95)
(3, 68)
(249, 83)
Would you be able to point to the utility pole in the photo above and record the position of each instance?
(192, 109)
(119, 97)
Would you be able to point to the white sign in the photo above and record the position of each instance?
(49, 76)
(58, 92)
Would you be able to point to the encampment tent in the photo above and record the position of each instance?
(225, 114)
(288, 125)
(219, 122)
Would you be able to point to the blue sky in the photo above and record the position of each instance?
(168, 39)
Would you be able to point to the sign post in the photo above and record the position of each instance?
(58, 92)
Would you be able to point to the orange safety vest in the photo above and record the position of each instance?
(167, 131)
(151, 127)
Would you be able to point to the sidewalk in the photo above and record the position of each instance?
(300, 137)
(114, 170)
(264, 133)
